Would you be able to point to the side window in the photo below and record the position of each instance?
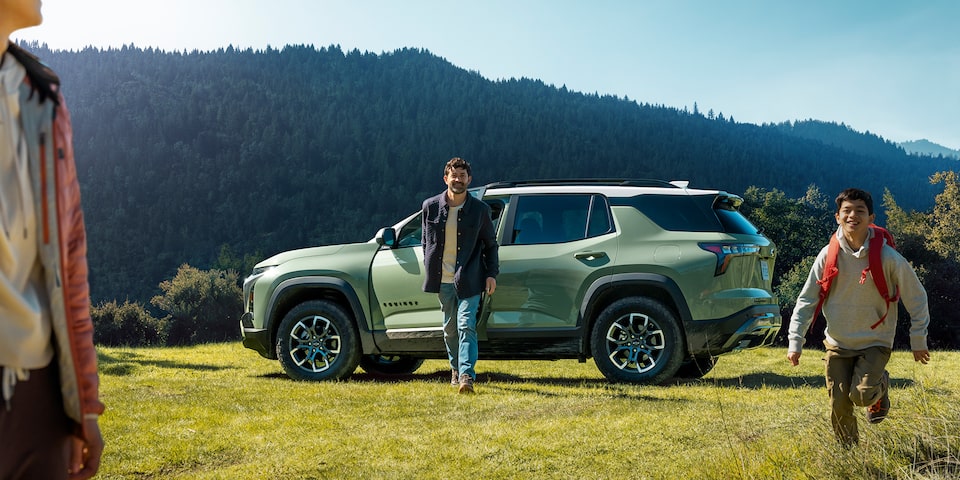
(599, 217)
(410, 235)
(678, 213)
(558, 218)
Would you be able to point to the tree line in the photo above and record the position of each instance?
(928, 239)
(203, 306)
(218, 159)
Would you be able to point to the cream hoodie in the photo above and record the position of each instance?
(25, 326)
(851, 307)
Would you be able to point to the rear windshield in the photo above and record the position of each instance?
(692, 213)
(728, 211)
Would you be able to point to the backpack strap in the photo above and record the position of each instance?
(42, 79)
(875, 264)
(830, 271)
(876, 269)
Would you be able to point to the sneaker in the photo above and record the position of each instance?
(878, 411)
(454, 378)
(466, 384)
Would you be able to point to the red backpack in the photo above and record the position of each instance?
(875, 246)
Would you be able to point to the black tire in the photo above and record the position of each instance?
(390, 364)
(696, 367)
(637, 340)
(317, 341)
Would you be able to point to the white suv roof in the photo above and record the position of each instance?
(607, 187)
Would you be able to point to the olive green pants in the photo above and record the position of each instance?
(854, 377)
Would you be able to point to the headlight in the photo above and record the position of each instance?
(261, 270)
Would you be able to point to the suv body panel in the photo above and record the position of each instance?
(289, 277)
(715, 277)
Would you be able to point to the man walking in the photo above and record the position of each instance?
(460, 261)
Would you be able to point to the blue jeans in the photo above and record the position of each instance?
(460, 329)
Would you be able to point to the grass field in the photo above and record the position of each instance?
(221, 411)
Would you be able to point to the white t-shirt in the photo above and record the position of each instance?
(450, 246)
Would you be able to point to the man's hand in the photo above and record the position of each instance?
(491, 285)
(794, 358)
(85, 452)
(922, 356)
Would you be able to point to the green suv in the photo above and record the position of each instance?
(651, 279)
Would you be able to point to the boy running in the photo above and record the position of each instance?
(859, 339)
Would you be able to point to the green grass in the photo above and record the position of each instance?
(221, 411)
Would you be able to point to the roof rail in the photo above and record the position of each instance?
(622, 182)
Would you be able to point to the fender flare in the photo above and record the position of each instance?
(291, 286)
(602, 285)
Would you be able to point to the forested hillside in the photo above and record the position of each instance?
(181, 154)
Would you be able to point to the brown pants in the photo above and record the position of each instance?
(854, 377)
(35, 431)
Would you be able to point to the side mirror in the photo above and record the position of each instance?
(387, 236)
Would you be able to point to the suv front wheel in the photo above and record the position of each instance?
(637, 340)
(317, 341)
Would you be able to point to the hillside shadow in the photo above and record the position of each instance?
(485, 377)
(122, 363)
(755, 381)
(510, 383)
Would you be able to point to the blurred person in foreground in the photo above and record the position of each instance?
(48, 365)
(860, 322)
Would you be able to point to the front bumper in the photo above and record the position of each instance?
(257, 339)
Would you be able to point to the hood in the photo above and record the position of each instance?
(284, 257)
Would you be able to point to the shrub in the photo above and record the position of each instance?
(202, 305)
(126, 325)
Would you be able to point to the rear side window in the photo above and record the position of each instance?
(692, 213)
(559, 218)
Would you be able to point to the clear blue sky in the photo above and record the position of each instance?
(886, 66)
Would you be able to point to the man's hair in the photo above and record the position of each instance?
(852, 194)
(454, 163)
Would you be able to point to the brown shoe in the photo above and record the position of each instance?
(466, 384)
(454, 378)
(878, 411)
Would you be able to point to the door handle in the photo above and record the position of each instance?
(589, 256)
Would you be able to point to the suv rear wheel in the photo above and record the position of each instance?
(316, 341)
(637, 340)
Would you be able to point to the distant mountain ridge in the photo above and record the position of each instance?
(842, 136)
(926, 147)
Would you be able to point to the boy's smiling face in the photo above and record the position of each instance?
(854, 218)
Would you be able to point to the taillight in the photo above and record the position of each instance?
(727, 251)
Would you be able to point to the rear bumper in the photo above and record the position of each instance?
(750, 328)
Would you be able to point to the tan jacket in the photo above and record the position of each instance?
(63, 240)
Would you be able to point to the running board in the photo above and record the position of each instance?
(406, 333)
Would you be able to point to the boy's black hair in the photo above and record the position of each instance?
(851, 194)
(43, 80)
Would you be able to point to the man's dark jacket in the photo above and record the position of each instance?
(477, 257)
